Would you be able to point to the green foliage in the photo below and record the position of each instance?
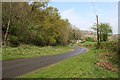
(37, 24)
(52, 41)
(14, 41)
(88, 44)
(75, 34)
(104, 31)
(89, 39)
(110, 46)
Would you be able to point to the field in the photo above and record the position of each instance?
(27, 51)
(81, 66)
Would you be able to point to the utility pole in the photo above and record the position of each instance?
(98, 36)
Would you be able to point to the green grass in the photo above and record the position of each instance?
(81, 66)
(26, 51)
(88, 42)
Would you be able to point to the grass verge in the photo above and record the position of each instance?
(81, 66)
(88, 43)
(27, 51)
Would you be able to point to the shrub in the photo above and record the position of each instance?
(110, 46)
(14, 41)
(89, 39)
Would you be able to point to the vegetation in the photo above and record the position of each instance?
(26, 51)
(110, 46)
(88, 43)
(43, 32)
(81, 66)
(35, 23)
(96, 63)
(89, 39)
(103, 30)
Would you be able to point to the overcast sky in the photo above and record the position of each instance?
(82, 14)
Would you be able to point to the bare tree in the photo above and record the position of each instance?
(8, 25)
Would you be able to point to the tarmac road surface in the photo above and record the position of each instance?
(14, 68)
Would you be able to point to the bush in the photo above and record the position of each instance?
(89, 39)
(110, 46)
(14, 41)
(52, 41)
(38, 40)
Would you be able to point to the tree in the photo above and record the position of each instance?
(8, 23)
(75, 33)
(35, 23)
(104, 31)
(15, 15)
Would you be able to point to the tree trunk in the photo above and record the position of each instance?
(8, 26)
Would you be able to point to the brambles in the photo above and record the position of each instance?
(107, 65)
(110, 46)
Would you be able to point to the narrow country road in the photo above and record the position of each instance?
(14, 68)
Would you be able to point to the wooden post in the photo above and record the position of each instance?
(98, 37)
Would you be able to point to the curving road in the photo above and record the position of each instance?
(14, 68)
